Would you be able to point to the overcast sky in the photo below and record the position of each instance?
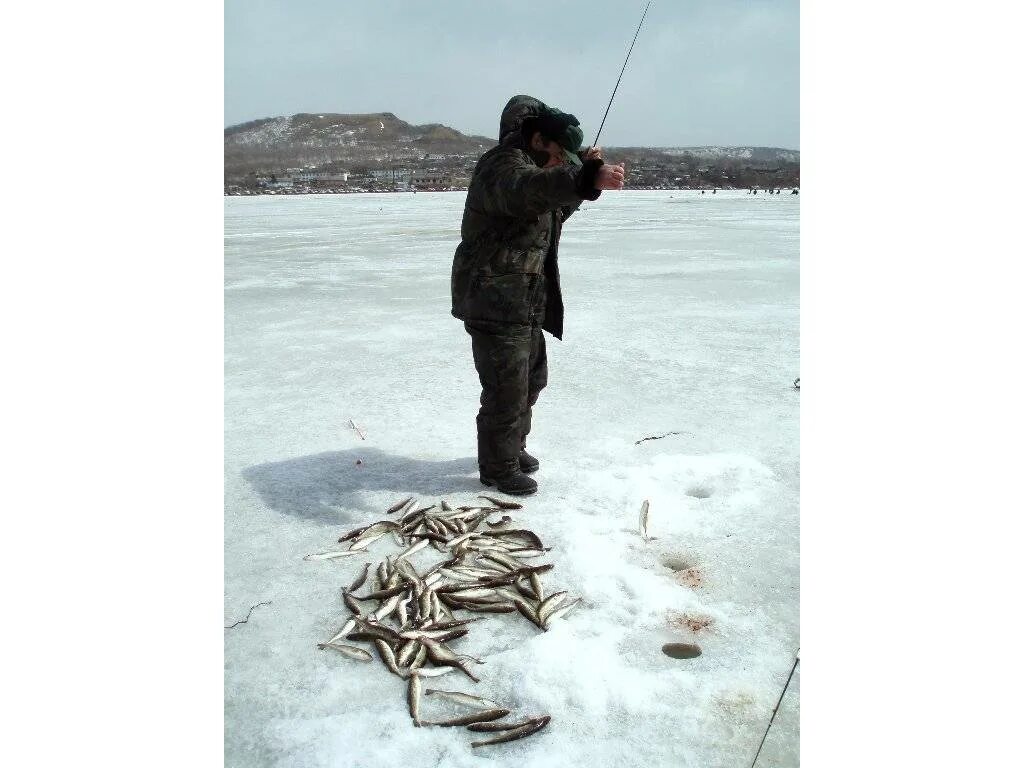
(702, 72)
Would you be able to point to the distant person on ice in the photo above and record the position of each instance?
(505, 285)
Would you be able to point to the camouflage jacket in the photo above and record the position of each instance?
(505, 269)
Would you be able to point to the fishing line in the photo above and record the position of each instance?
(616, 88)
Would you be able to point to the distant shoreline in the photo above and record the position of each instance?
(284, 193)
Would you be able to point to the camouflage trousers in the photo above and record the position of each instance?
(512, 363)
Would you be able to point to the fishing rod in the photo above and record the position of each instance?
(616, 88)
(777, 704)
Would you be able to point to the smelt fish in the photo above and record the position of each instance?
(414, 698)
(352, 603)
(395, 507)
(432, 671)
(501, 504)
(492, 727)
(462, 698)
(545, 609)
(352, 534)
(388, 657)
(412, 550)
(406, 653)
(348, 650)
(363, 543)
(330, 555)
(518, 733)
(361, 578)
(421, 656)
(344, 631)
(560, 612)
(476, 717)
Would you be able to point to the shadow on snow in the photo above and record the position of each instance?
(330, 487)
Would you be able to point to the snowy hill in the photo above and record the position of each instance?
(355, 140)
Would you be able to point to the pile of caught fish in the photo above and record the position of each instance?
(409, 616)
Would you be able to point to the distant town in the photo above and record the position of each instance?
(339, 153)
(646, 169)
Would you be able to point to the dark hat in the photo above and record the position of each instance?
(561, 127)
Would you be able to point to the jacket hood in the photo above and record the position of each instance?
(518, 109)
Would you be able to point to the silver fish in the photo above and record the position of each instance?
(361, 579)
(406, 652)
(535, 583)
(645, 509)
(470, 594)
(526, 590)
(445, 657)
(412, 550)
(500, 504)
(363, 543)
(464, 537)
(351, 603)
(491, 727)
(545, 609)
(343, 632)
(387, 655)
(330, 555)
(531, 538)
(387, 608)
(424, 603)
(509, 562)
(421, 656)
(476, 717)
(527, 552)
(349, 650)
(525, 609)
(352, 534)
(403, 610)
(414, 698)
(517, 733)
(462, 698)
(397, 506)
(406, 569)
(559, 612)
(432, 671)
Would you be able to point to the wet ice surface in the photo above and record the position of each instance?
(681, 315)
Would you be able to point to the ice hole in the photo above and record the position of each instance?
(681, 650)
(676, 562)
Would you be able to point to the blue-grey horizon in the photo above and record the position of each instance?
(722, 73)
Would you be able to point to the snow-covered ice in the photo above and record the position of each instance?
(681, 316)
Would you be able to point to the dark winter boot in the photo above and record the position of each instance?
(514, 483)
(527, 463)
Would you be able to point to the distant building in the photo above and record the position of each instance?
(392, 175)
(430, 180)
(322, 177)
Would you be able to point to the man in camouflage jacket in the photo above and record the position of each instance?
(505, 285)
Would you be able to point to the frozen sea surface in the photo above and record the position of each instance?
(681, 316)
